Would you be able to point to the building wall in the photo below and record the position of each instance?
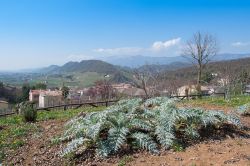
(3, 106)
(47, 101)
(34, 97)
(41, 101)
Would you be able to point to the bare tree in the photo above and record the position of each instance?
(200, 49)
(105, 89)
(229, 81)
(148, 79)
(142, 80)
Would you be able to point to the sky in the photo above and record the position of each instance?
(38, 33)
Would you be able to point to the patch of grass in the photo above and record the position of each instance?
(177, 147)
(14, 130)
(55, 141)
(14, 133)
(220, 101)
(125, 160)
(65, 114)
(17, 143)
(11, 120)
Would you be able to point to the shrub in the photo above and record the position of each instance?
(29, 113)
(151, 125)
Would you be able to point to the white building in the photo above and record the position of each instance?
(34, 95)
(50, 98)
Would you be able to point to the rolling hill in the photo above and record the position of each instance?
(81, 67)
(139, 60)
(222, 68)
(86, 72)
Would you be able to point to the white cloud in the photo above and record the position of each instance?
(119, 51)
(160, 45)
(79, 57)
(240, 44)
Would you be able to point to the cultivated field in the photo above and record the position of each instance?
(36, 144)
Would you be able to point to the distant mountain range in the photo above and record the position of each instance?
(117, 64)
(139, 60)
(86, 72)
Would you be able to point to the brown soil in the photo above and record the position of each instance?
(38, 150)
(220, 149)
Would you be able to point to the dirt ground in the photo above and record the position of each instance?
(229, 149)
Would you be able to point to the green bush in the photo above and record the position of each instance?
(29, 113)
(151, 125)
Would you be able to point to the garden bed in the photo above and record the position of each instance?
(221, 148)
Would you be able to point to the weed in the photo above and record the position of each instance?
(55, 141)
(126, 159)
(177, 147)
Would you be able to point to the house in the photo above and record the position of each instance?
(133, 92)
(223, 81)
(191, 89)
(121, 86)
(34, 95)
(4, 105)
(50, 98)
(128, 90)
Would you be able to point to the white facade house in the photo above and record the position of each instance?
(34, 95)
(50, 98)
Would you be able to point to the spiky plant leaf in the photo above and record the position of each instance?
(141, 124)
(166, 138)
(117, 137)
(73, 145)
(104, 148)
(145, 142)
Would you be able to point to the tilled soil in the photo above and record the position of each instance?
(231, 149)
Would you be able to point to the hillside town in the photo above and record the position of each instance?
(50, 97)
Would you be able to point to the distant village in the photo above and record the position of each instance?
(106, 91)
(51, 97)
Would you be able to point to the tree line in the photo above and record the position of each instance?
(16, 95)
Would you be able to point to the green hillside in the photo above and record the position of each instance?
(87, 66)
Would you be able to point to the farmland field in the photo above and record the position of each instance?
(53, 80)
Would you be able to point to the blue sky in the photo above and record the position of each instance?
(36, 33)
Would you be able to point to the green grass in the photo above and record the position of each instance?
(13, 130)
(219, 101)
(13, 133)
(64, 114)
(125, 160)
